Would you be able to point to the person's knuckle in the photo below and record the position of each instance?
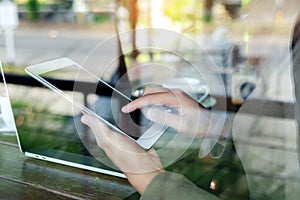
(146, 90)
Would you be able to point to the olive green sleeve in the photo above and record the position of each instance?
(174, 186)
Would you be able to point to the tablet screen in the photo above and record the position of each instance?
(102, 98)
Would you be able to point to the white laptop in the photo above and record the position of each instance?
(60, 145)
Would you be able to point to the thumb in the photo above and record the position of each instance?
(86, 119)
(94, 123)
(100, 131)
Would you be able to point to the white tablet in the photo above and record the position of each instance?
(134, 125)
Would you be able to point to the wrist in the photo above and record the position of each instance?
(140, 181)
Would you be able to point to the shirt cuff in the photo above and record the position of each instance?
(168, 185)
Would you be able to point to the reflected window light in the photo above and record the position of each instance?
(53, 34)
(213, 185)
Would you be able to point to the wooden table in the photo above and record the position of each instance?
(26, 178)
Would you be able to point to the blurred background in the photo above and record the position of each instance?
(247, 41)
(247, 38)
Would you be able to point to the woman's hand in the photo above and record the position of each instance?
(191, 118)
(138, 165)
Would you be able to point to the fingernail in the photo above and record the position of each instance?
(84, 119)
(125, 109)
